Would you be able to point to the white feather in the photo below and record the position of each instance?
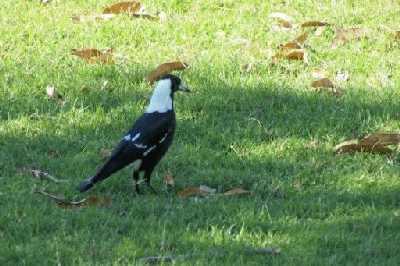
(161, 100)
(140, 146)
(136, 137)
(149, 150)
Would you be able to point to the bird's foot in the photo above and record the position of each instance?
(85, 185)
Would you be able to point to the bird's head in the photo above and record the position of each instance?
(162, 99)
(172, 83)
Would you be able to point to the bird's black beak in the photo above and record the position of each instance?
(183, 87)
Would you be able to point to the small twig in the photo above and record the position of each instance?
(61, 201)
(46, 176)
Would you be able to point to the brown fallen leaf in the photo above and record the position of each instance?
(381, 139)
(291, 54)
(236, 191)
(344, 35)
(322, 83)
(296, 54)
(397, 34)
(92, 55)
(196, 191)
(290, 46)
(314, 23)
(354, 145)
(169, 180)
(301, 38)
(284, 20)
(327, 85)
(165, 69)
(46, 176)
(66, 204)
(123, 7)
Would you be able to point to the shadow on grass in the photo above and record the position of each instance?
(218, 127)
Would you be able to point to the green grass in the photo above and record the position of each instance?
(264, 130)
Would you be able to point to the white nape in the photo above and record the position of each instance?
(161, 100)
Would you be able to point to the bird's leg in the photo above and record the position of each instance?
(147, 180)
(136, 182)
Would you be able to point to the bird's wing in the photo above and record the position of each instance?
(148, 131)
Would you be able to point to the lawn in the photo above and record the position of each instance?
(262, 128)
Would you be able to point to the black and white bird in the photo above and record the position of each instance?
(148, 140)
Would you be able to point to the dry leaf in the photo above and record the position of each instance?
(92, 55)
(46, 176)
(290, 46)
(296, 54)
(169, 180)
(283, 19)
(381, 139)
(165, 69)
(123, 7)
(196, 191)
(314, 23)
(344, 35)
(236, 191)
(88, 18)
(354, 145)
(291, 54)
(301, 38)
(397, 34)
(327, 85)
(322, 83)
(191, 191)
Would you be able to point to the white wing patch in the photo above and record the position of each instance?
(162, 140)
(136, 137)
(149, 150)
(128, 137)
(140, 146)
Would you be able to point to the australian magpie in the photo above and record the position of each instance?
(148, 140)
